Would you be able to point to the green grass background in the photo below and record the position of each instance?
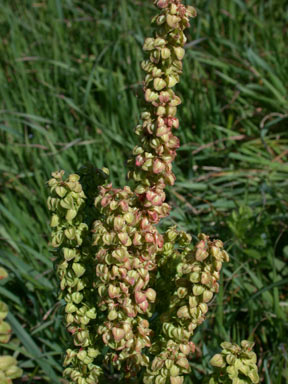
(70, 93)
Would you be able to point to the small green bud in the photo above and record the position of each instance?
(78, 269)
(3, 273)
(253, 376)
(207, 296)
(165, 53)
(159, 42)
(77, 297)
(5, 332)
(193, 301)
(82, 338)
(183, 362)
(218, 361)
(69, 254)
(174, 371)
(203, 307)
(230, 359)
(68, 202)
(70, 308)
(71, 214)
(171, 111)
(54, 221)
(160, 380)
(92, 352)
(119, 223)
(173, 9)
(70, 233)
(148, 44)
(179, 52)
(61, 191)
(150, 95)
(151, 295)
(198, 290)
(172, 21)
(171, 81)
(159, 84)
(161, 110)
(183, 312)
(91, 313)
(247, 344)
(194, 277)
(112, 315)
(125, 239)
(14, 372)
(3, 310)
(160, 19)
(168, 364)
(7, 362)
(191, 11)
(69, 318)
(177, 380)
(82, 356)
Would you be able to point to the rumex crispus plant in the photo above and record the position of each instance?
(134, 296)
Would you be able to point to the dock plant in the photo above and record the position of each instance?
(134, 295)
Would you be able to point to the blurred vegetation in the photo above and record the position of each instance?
(71, 93)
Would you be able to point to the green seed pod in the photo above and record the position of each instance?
(3, 310)
(218, 361)
(14, 372)
(239, 369)
(171, 81)
(165, 53)
(179, 52)
(198, 290)
(5, 332)
(207, 296)
(160, 380)
(77, 297)
(7, 362)
(3, 273)
(174, 371)
(112, 315)
(71, 214)
(159, 84)
(172, 21)
(177, 380)
(149, 44)
(61, 191)
(78, 269)
(194, 277)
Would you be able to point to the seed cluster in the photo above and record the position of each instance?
(127, 244)
(195, 282)
(8, 364)
(235, 364)
(71, 236)
(151, 166)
